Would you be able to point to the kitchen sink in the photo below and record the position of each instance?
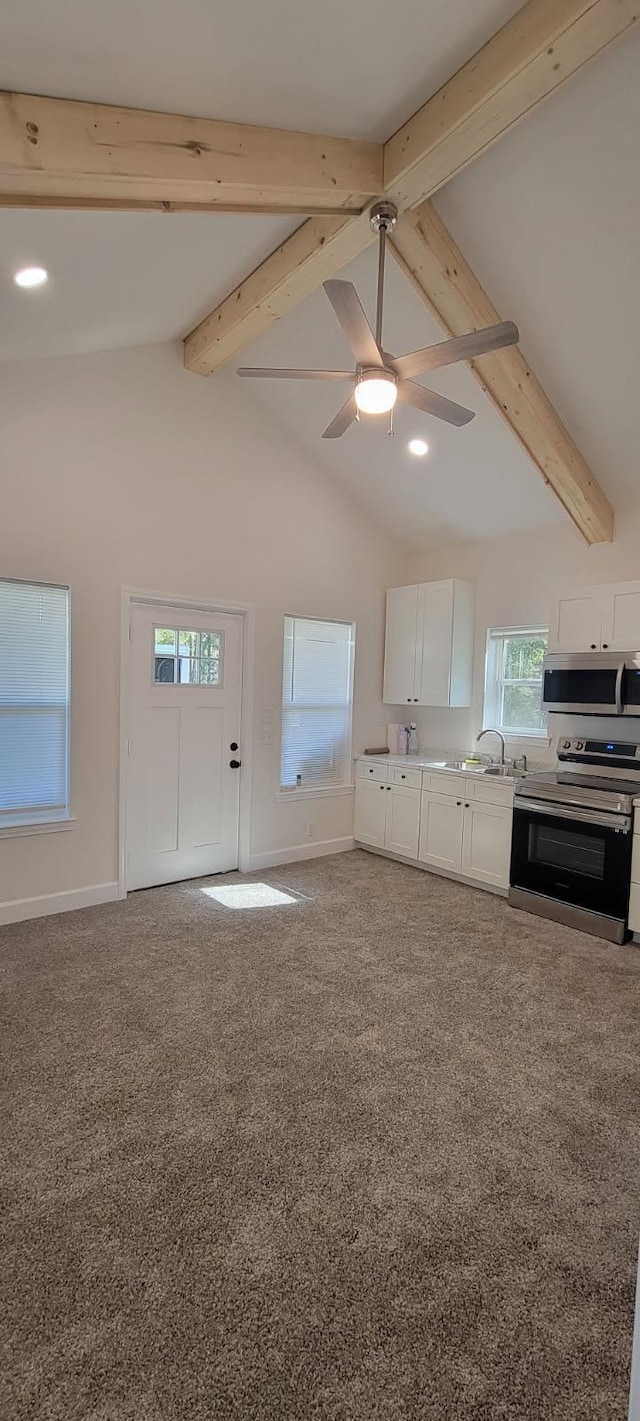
(500, 770)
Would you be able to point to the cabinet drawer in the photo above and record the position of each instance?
(410, 778)
(487, 791)
(445, 784)
(634, 908)
(373, 771)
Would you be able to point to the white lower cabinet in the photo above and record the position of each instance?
(387, 817)
(486, 843)
(402, 826)
(460, 826)
(441, 824)
(371, 812)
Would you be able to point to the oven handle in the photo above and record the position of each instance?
(619, 675)
(621, 822)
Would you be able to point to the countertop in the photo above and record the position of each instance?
(431, 762)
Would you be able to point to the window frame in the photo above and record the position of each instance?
(177, 657)
(293, 792)
(25, 822)
(494, 681)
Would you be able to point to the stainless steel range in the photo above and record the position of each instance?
(572, 837)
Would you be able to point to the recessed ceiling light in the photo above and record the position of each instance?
(31, 276)
(419, 447)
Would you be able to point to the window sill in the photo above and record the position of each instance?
(21, 827)
(288, 796)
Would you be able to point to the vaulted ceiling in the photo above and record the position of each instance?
(547, 218)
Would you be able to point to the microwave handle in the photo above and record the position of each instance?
(618, 691)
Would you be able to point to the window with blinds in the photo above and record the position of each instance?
(317, 698)
(34, 702)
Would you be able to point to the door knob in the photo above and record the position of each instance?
(235, 764)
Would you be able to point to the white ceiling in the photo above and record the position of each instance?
(121, 278)
(475, 481)
(358, 69)
(548, 218)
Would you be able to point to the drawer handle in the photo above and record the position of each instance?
(466, 806)
(403, 777)
(458, 802)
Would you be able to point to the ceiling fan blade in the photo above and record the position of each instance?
(343, 419)
(263, 373)
(458, 348)
(348, 308)
(432, 403)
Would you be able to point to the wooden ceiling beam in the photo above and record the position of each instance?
(428, 255)
(546, 43)
(58, 150)
(312, 254)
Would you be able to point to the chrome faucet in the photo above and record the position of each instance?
(490, 731)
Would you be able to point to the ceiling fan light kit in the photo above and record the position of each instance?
(380, 379)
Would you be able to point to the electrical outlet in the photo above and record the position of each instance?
(310, 829)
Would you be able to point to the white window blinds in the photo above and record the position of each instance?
(316, 703)
(34, 701)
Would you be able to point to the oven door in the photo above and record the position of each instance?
(578, 856)
(583, 685)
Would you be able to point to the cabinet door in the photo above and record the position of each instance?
(403, 821)
(621, 617)
(441, 819)
(401, 636)
(486, 843)
(435, 643)
(576, 623)
(370, 812)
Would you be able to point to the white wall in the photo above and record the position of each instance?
(516, 579)
(122, 469)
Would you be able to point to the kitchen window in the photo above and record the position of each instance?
(317, 702)
(34, 703)
(513, 681)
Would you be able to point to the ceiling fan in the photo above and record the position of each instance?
(380, 378)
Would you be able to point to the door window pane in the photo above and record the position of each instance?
(210, 644)
(189, 643)
(187, 658)
(209, 672)
(189, 671)
(165, 641)
(165, 669)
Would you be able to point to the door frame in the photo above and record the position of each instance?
(246, 610)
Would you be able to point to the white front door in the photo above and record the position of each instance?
(184, 735)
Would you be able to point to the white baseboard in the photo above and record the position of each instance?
(297, 852)
(22, 908)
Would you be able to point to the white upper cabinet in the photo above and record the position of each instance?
(400, 645)
(429, 644)
(576, 623)
(605, 618)
(621, 617)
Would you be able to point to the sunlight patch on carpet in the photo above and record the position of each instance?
(249, 895)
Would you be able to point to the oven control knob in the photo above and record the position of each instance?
(566, 744)
(579, 744)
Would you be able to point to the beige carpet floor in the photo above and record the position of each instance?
(370, 1153)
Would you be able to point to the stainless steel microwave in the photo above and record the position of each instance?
(592, 683)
